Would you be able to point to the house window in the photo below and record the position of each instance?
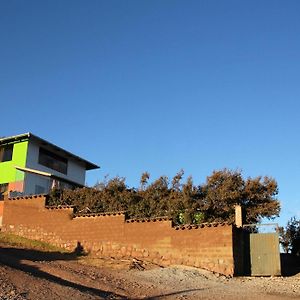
(6, 153)
(53, 161)
(3, 189)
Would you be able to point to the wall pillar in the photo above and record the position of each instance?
(238, 216)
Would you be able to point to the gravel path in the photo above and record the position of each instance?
(22, 277)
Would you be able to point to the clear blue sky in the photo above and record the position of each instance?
(158, 85)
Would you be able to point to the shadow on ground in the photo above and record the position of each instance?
(36, 255)
(13, 257)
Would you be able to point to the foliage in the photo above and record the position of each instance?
(290, 236)
(184, 202)
(224, 189)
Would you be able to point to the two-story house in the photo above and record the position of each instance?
(31, 165)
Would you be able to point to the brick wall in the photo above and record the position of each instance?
(1, 211)
(207, 246)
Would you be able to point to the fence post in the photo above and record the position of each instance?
(238, 216)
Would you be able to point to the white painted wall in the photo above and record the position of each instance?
(76, 171)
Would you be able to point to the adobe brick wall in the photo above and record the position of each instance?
(1, 210)
(156, 240)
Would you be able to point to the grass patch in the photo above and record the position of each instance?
(21, 242)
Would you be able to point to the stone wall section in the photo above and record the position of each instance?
(208, 246)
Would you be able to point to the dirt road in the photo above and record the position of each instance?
(31, 274)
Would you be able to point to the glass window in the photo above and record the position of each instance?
(6, 152)
(53, 161)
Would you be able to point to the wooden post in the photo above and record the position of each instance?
(238, 216)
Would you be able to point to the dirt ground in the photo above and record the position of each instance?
(31, 274)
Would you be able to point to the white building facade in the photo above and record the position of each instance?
(39, 166)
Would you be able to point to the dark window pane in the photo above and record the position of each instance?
(6, 153)
(53, 161)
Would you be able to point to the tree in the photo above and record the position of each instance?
(188, 196)
(144, 180)
(225, 188)
(290, 236)
(260, 199)
(154, 197)
(184, 202)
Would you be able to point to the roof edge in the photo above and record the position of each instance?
(88, 165)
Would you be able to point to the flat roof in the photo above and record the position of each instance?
(30, 136)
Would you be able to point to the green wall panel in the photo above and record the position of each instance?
(8, 173)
